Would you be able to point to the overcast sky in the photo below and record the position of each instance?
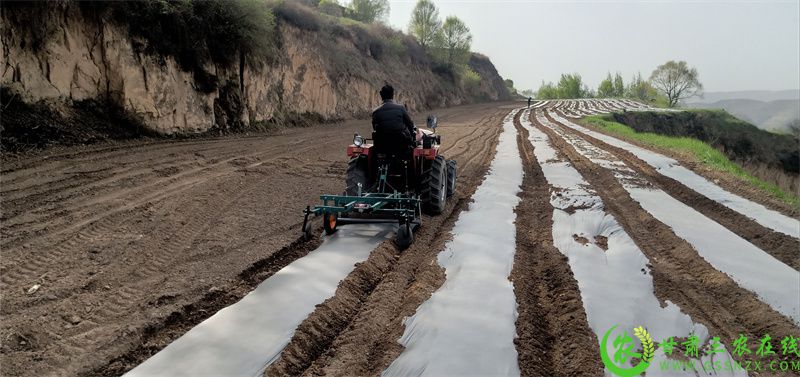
(739, 45)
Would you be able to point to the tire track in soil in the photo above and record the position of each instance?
(156, 336)
(17, 271)
(93, 332)
(15, 163)
(680, 275)
(355, 332)
(155, 187)
(54, 209)
(781, 246)
(554, 334)
(54, 195)
(122, 301)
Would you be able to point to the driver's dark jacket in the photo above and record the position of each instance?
(391, 123)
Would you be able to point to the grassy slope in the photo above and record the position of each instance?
(703, 152)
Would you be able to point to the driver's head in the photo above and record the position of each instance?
(387, 92)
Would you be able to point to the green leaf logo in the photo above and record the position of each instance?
(646, 357)
(647, 343)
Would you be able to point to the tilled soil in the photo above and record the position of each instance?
(131, 244)
(110, 252)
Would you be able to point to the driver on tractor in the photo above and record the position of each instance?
(394, 131)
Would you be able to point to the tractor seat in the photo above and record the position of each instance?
(394, 146)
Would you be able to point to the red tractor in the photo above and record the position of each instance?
(389, 184)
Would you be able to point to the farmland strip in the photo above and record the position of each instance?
(467, 326)
(613, 274)
(672, 169)
(244, 338)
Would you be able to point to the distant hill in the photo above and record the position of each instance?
(758, 95)
(774, 115)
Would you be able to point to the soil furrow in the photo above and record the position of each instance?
(554, 335)
(146, 193)
(783, 247)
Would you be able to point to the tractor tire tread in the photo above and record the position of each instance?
(432, 193)
(356, 173)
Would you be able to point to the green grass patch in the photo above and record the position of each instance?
(700, 150)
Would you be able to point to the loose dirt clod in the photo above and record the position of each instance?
(601, 241)
(33, 289)
(580, 239)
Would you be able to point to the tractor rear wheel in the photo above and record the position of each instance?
(451, 177)
(434, 187)
(356, 173)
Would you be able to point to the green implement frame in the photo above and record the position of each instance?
(369, 207)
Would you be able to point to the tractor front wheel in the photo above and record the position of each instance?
(329, 221)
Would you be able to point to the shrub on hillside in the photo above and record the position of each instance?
(368, 10)
(196, 30)
(445, 71)
(193, 32)
(331, 7)
(298, 15)
(395, 46)
(415, 52)
(33, 20)
(471, 81)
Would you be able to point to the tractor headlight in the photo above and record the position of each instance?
(358, 140)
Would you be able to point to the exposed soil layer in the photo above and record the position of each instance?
(554, 335)
(131, 244)
(28, 127)
(783, 247)
(680, 275)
